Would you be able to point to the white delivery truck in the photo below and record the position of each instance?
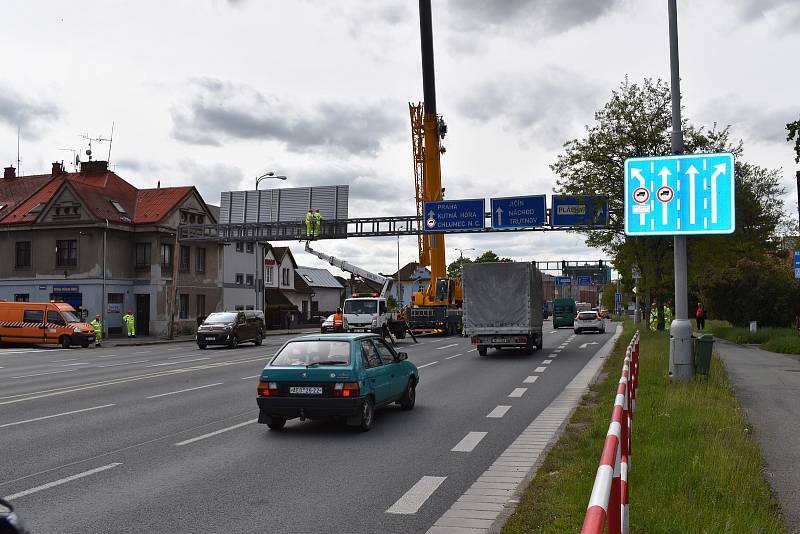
(503, 305)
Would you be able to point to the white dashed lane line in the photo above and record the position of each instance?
(498, 412)
(251, 377)
(67, 360)
(427, 364)
(62, 481)
(469, 442)
(42, 374)
(472, 350)
(540, 369)
(518, 392)
(15, 423)
(545, 362)
(415, 497)
(553, 355)
(73, 364)
(454, 356)
(215, 433)
(447, 346)
(183, 390)
(530, 380)
(121, 363)
(178, 363)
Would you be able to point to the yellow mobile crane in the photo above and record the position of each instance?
(437, 307)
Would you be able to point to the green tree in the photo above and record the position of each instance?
(491, 257)
(456, 267)
(794, 135)
(636, 122)
(607, 297)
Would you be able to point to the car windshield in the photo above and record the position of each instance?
(587, 316)
(220, 318)
(70, 317)
(361, 306)
(303, 353)
(563, 309)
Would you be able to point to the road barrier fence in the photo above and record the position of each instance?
(609, 499)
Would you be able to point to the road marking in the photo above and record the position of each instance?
(498, 412)
(530, 380)
(427, 364)
(62, 481)
(469, 442)
(67, 360)
(547, 361)
(557, 350)
(178, 363)
(15, 423)
(179, 348)
(143, 352)
(121, 363)
(447, 346)
(251, 377)
(583, 346)
(553, 332)
(473, 350)
(540, 369)
(518, 392)
(107, 356)
(414, 498)
(183, 390)
(42, 374)
(552, 355)
(72, 364)
(454, 356)
(216, 432)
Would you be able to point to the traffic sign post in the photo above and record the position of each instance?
(579, 210)
(519, 212)
(797, 264)
(454, 215)
(680, 195)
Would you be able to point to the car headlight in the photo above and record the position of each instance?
(77, 330)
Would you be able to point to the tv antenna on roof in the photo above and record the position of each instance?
(76, 159)
(99, 140)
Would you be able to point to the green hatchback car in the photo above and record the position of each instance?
(335, 375)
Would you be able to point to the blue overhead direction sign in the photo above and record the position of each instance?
(563, 280)
(579, 210)
(680, 195)
(584, 280)
(519, 212)
(797, 263)
(454, 215)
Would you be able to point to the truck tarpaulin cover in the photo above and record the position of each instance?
(502, 295)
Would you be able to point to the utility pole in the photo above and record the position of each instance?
(797, 175)
(681, 355)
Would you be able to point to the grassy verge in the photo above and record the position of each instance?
(694, 466)
(784, 340)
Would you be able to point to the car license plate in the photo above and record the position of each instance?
(305, 390)
(358, 330)
(499, 340)
(211, 337)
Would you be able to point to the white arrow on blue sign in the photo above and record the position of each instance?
(680, 195)
(519, 212)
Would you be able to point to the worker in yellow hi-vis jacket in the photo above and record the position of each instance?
(130, 321)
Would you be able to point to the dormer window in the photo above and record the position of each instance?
(118, 207)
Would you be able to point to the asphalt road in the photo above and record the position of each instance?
(163, 438)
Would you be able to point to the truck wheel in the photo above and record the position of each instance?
(65, 342)
(482, 351)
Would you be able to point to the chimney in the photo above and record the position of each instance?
(58, 168)
(94, 167)
(9, 173)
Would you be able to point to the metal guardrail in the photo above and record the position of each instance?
(609, 499)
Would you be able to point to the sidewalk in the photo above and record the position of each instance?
(156, 340)
(767, 386)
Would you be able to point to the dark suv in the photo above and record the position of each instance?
(231, 328)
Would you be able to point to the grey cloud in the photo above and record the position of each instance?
(26, 113)
(209, 179)
(750, 9)
(544, 110)
(536, 16)
(751, 121)
(220, 111)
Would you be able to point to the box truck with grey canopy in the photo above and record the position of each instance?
(503, 305)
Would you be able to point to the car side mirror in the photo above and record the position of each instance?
(402, 356)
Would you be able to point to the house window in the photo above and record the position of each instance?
(22, 297)
(118, 207)
(268, 276)
(251, 248)
(249, 281)
(23, 254)
(239, 279)
(67, 253)
(201, 260)
(166, 256)
(239, 247)
(285, 276)
(184, 259)
(201, 305)
(142, 260)
(183, 306)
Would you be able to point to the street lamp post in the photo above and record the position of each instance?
(266, 176)
(461, 250)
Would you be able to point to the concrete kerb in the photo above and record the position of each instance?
(564, 405)
(186, 339)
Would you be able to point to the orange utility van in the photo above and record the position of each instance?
(43, 322)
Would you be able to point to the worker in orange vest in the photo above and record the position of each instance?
(338, 320)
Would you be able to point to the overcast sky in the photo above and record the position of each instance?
(214, 92)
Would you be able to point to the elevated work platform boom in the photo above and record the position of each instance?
(354, 269)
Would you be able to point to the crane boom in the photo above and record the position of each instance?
(356, 270)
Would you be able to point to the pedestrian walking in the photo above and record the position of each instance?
(130, 321)
(700, 315)
(98, 330)
(317, 222)
(309, 224)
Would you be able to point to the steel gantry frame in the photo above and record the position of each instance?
(335, 229)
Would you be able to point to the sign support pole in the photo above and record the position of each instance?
(681, 356)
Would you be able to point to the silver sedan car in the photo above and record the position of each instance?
(589, 320)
